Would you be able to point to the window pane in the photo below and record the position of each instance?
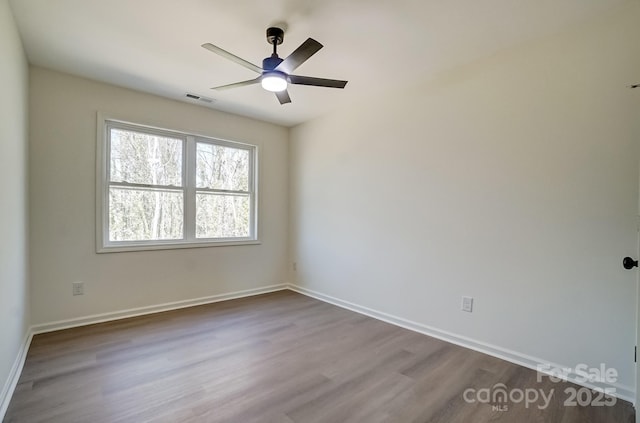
(222, 216)
(141, 158)
(219, 167)
(143, 215)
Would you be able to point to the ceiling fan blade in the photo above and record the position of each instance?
(299, 56)
(238, 84)
(232, 57)
(283, 97)
(317, 82)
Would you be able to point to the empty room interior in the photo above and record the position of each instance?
(302, 211)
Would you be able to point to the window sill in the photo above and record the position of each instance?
(172, 245)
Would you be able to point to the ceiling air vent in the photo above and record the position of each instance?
(200, 98)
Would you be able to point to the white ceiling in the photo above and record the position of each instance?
(154, 45)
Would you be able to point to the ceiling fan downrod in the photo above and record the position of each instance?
(275, 37)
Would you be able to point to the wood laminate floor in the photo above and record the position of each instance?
(274, 358)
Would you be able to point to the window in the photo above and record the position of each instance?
(167, 189)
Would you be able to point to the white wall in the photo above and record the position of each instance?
(14, 285)
(513, 180)
(62, 199)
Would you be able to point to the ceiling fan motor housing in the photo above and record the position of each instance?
(270, 63)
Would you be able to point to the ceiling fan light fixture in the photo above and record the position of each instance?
(274, 81)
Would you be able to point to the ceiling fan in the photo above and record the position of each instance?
(275, 73)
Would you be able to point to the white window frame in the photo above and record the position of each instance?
(190, 140)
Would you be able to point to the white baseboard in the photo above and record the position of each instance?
(623, 392)
(14, 375)
(140, 311)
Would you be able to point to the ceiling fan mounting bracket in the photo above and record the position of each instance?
(275, 36)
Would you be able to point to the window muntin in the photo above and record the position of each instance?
(164, 189)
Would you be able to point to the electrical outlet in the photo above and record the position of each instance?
(467, 304)
(78, 288)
